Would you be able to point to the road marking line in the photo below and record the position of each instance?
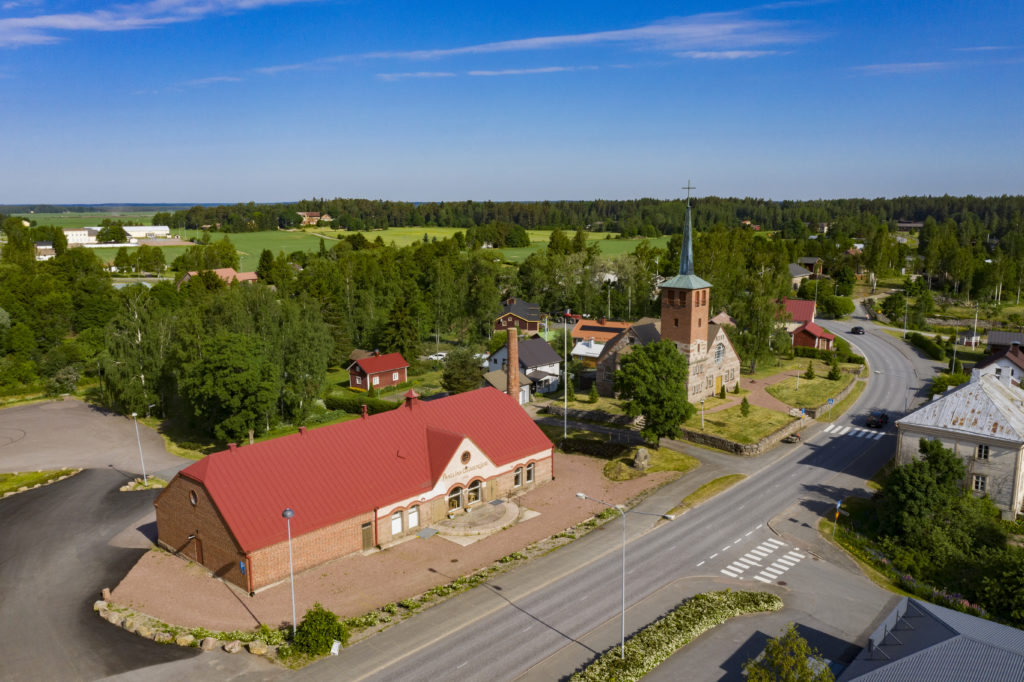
(799, 556)
(700, 564)
(461, 665)
(764, 580)
(731, 575)
(762, 551)
(751, 558)
(758, 526)
(725, 548)
(736, 567)
(842, 431)
(776, 542)
(749, 533)
(779, 567)
(737, 541)
(785, 563)
(713, 555)
(772, 572)
(828, 429)
(878, 435)
(744, 563)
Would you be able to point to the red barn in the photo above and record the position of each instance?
(353, 486)
(378, 371)
(810, 335)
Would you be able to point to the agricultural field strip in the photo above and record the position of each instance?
(853, 432)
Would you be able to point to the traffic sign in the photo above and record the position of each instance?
(831, 400)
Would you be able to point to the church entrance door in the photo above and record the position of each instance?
(718, 384)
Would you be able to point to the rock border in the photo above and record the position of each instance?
(26, 488)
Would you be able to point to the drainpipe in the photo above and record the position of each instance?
(248, 574)
(375, 543)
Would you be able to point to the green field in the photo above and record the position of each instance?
(88, 219)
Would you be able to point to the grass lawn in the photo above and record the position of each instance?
(710, 403)
(843, 405)
(662, 459)
(773, 367)
(609, 247)
(582, 402)
(554, 433)
(706, 492)
(811, 392)
(731, 424)
(10, 483)
(69, 219)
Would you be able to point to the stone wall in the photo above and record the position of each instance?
(744, 449)
(813, 412)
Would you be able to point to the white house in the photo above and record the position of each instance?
(537, 360)
(587, 352)
(1006, 365)
(148, 231)
(80, 235)
(982, 422)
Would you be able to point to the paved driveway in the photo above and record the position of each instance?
(70, 433)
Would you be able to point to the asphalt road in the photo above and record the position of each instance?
(564, 608)
(56, 557)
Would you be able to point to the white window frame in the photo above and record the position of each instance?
(981, 452)
(376, 380)
(394, 376)
(396, 523)
(359, 381)
(414, 516)
(529, 472)
(455, 496)
(517, 478)
(474, 492)
(980, 483)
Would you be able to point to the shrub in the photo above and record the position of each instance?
(318, 630)
(736, 388)
(353, 404)
(834, 374)
(745, 407)
(930, 348)
(593, 394)
(809, 374)
(721, 394)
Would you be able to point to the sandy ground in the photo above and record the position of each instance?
(356, 584)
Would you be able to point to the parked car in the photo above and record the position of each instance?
(878, 419)
(791, 438)
(440, 357)
(857, 330)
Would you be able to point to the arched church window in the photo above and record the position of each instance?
(719, 353)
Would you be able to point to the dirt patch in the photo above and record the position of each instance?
(356, 584)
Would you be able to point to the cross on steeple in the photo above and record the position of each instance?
(688, 188)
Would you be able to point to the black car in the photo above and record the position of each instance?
(878, 419)
(857, 330)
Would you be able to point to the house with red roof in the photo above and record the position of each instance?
(353, 486)
(795, 312)
(226, 275)
(378, 371)
(810, 335)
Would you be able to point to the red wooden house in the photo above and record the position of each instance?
(810, 335)
(378, 371)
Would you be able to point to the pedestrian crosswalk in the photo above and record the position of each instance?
(853, 432)
(768, 559)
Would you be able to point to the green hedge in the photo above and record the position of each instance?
(354, 403)
(826, 355)
(648, 648)
(930, 348)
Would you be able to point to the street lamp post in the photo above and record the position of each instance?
(565, 378)
(702, 414)
(138, 439)
(622, 512)
(288, 514)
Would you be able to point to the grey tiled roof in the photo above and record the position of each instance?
(536, 352)
(986, 407)
(798, 271)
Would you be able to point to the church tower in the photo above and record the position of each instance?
(684, 300)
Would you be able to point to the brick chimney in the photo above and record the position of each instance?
(513, 364)
(363, 411)
(411, 397)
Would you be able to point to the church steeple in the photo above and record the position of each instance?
(686, 253)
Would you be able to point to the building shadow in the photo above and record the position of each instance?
(837, 651)
(148, 531)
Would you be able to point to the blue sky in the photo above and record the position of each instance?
(277, 100)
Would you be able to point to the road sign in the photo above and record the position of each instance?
(831, 400)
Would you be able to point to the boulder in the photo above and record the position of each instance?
(642, 459)
(184, 639)
(99, 605)
(106, 594)
(129, 624)
(144, 631)
(163, 637)
(258, 647)
(114, 618)
(233, 647)
(209, 643)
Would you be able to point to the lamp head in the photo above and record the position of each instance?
(133, 415)
(581, 496)
(288, 513)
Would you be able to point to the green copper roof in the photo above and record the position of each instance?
(686, 282)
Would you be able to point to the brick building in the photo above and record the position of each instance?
(353, 486)
(519, 314)
(378, 371)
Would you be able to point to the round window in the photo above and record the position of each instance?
(192, 497)
(465, 457)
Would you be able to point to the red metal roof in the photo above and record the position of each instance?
(800, 310)
(343, 470)
(814, 330)
(382, 363)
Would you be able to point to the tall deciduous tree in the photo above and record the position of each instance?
(653, 379)
(461, 371)
(788, 658)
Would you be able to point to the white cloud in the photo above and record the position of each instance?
(43, 29)
(415, 74)
(726, 54)
(213, 79)
(987, 48)
(903, 68)
(523, 72)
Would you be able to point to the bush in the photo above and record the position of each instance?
(736, 388)
(745, 407)
(721, 394)
(809, 374)
(353, 404)
(648, 648)
(930, 348)
(834, 373)
(318, 630)
(593, 394)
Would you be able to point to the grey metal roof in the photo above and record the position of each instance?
(931, 642)
(1004, 338)
(813, 260)
(523, 309)
(686, 282)
(986, 407)
(536, 352)
(499, 380)
(798, 270)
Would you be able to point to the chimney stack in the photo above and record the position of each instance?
(512, 380)
(302, 430)
(410, 398)
(232, 446)
(364, 413)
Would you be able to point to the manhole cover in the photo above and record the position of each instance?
(781, 582)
